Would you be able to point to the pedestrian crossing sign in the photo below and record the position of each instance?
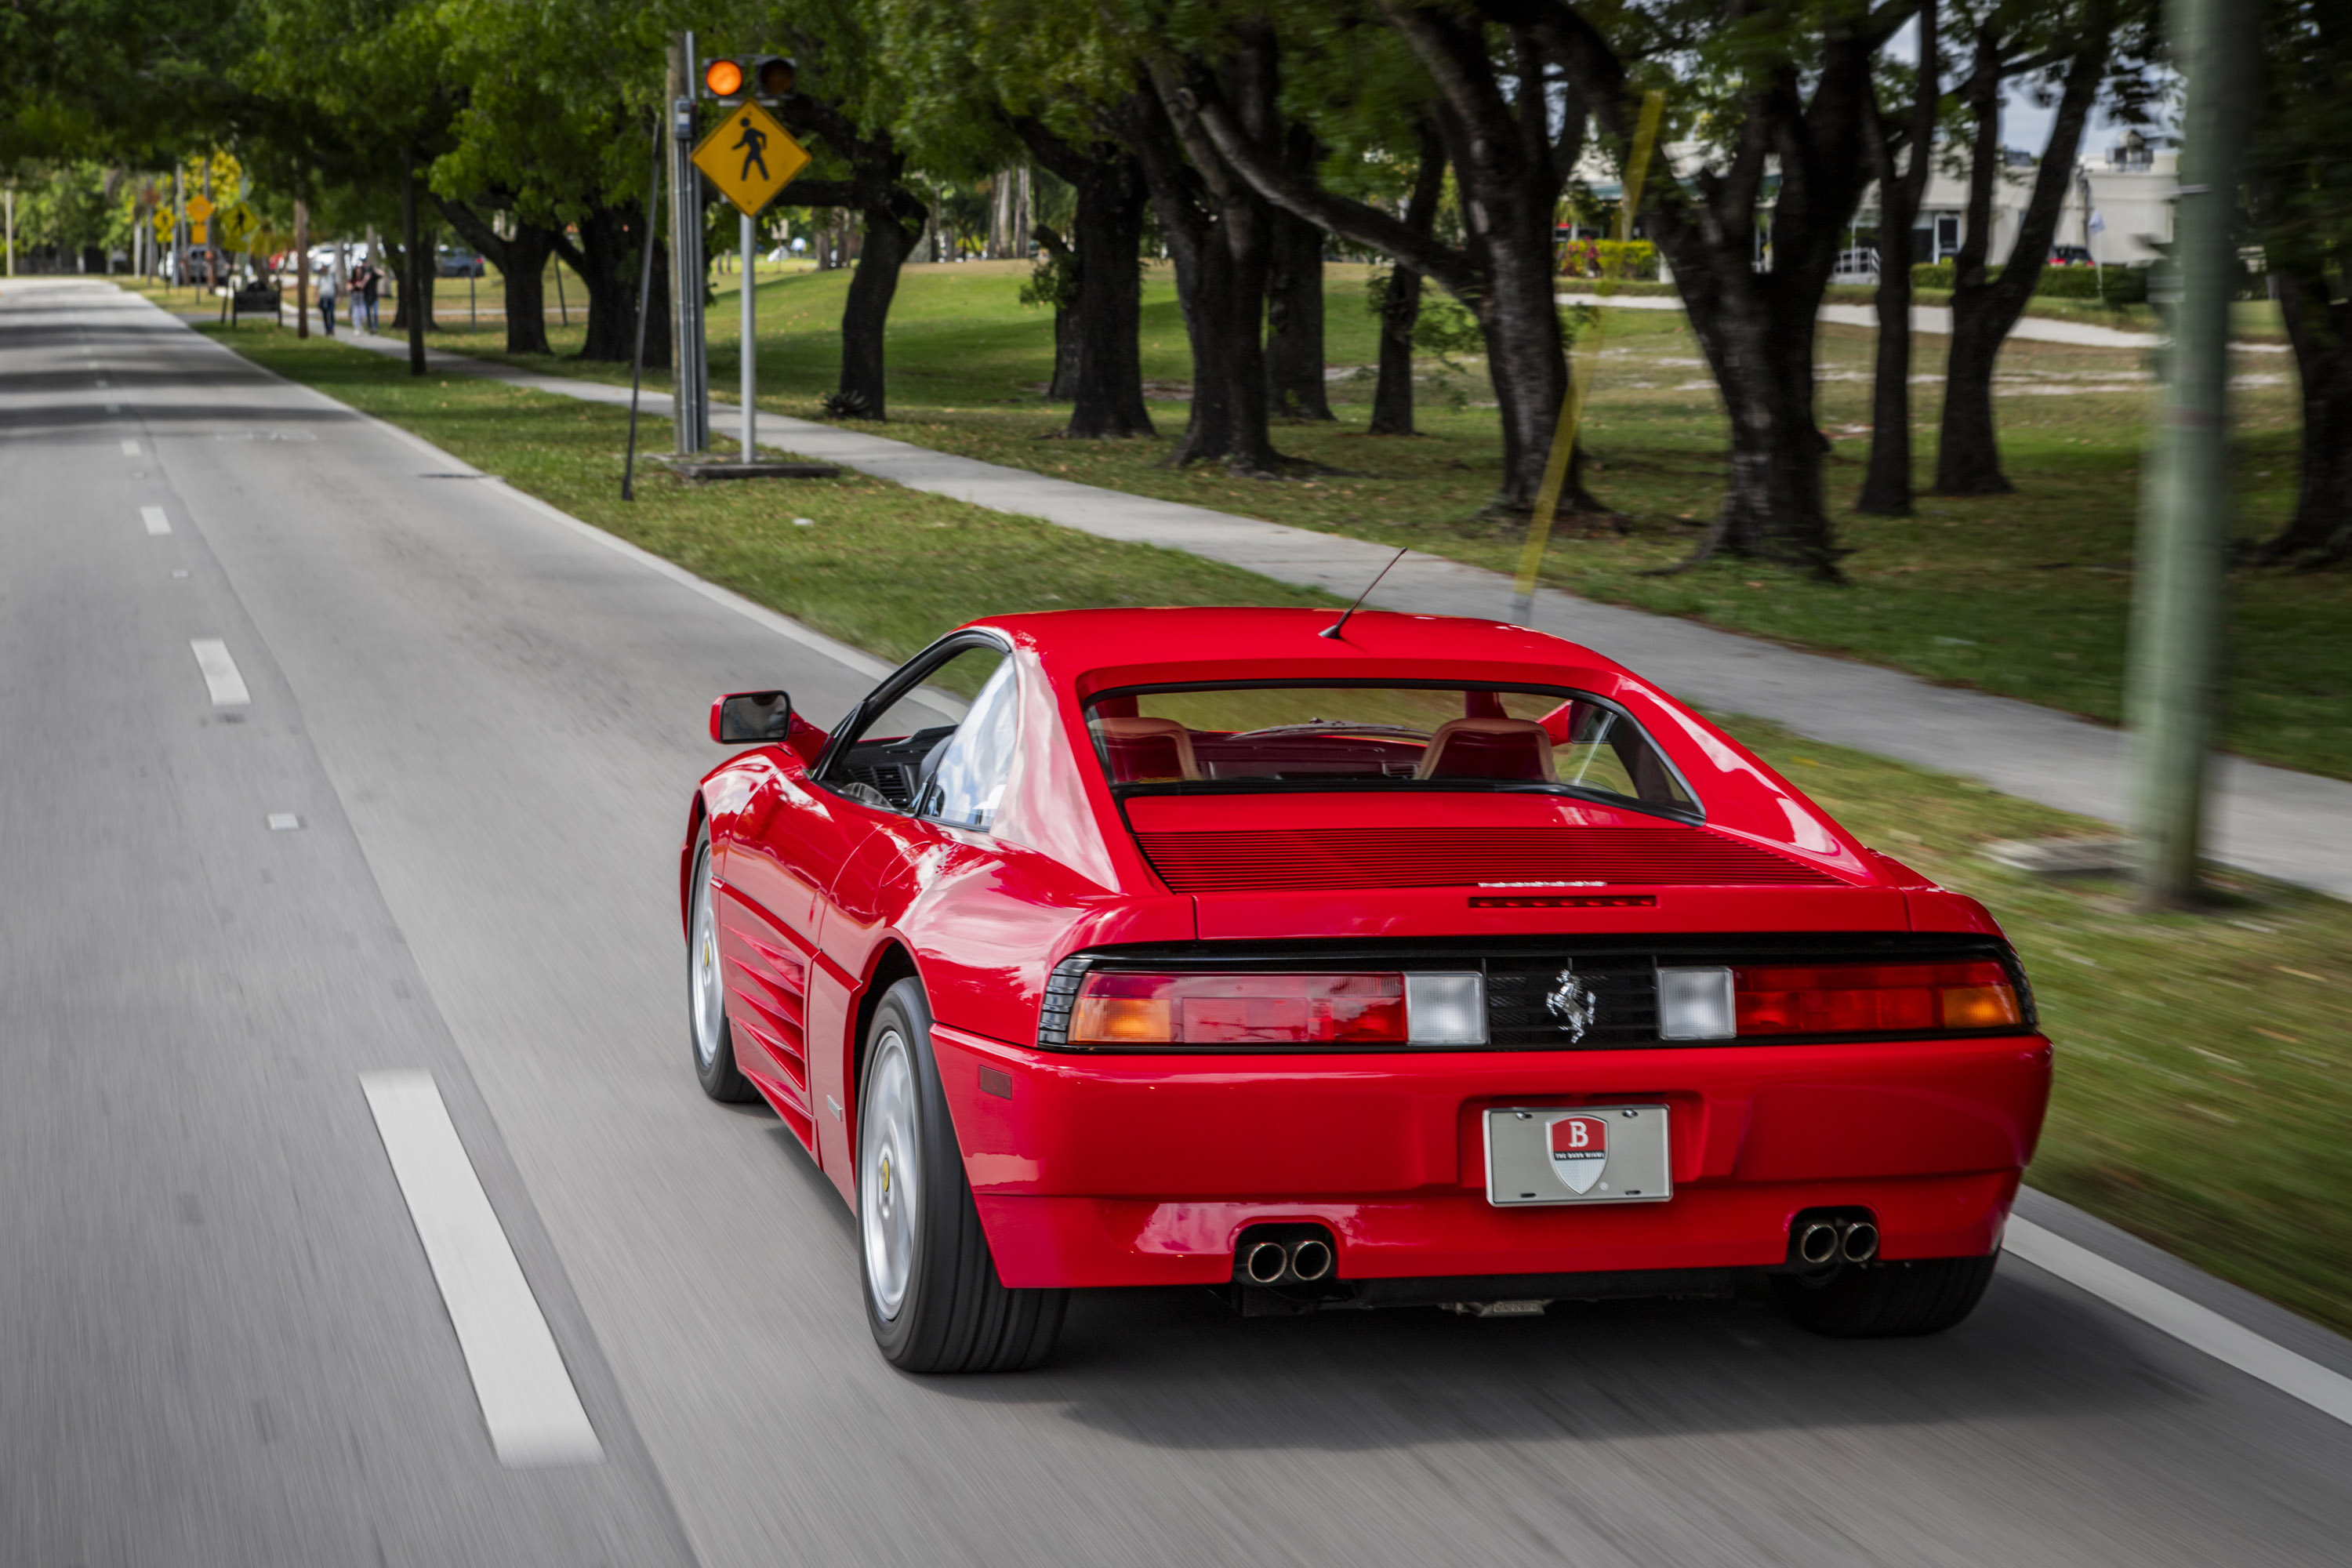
(750, 157)
(238, 225)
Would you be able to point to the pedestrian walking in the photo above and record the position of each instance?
(358, 285)
(327, 298)
(368, 291)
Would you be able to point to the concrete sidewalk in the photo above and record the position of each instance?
(2295, 827)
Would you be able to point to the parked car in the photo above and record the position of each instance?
(2070, 256)
(456, 261)
(1438, 962)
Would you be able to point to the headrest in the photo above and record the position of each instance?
(1511, 748)
(1147, 750)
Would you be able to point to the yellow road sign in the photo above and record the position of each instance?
(237, 227)
(164, 224)
(750, 157)
(200, 234)
(200, 208)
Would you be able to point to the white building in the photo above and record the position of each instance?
(2118, 206)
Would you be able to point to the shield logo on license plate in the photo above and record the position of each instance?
(1580, 1149)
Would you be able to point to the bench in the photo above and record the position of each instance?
(261, 299)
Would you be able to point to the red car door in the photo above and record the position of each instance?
(791, 840)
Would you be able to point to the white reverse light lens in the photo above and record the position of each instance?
(1449, 1009)
(1695, 1005)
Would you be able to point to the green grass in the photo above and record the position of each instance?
(2202, 1061)
(2024, 595)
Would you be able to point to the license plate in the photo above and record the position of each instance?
(1577, 1154)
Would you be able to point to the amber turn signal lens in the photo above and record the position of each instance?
(723, 78)
(1979, 1006)
(1123, 1021)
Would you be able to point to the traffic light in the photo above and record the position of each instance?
(732, 79)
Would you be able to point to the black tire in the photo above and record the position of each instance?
(710, 1038)
(932, 1295)
(1887, 1300)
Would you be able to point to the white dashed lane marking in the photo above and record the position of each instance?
(130, 448)
(221, 677)
(157, 523)
(527, 1395)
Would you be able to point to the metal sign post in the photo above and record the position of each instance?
(750, 379)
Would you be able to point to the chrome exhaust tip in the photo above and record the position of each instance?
(1265, 1262)
(1818, 1242)
(1311, 1259)
(1861, 1243)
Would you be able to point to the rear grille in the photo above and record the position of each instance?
(1623, 1006)
(1318, 859)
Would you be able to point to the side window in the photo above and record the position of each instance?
(967, 780)
(891, 758)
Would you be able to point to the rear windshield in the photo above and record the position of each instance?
(1232, 739)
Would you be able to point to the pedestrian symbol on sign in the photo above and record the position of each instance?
(753, 143)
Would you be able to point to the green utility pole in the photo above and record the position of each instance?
(2177, 610)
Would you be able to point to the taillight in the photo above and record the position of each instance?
(1130, 1007)
(1870, 998)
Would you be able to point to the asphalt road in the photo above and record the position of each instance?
(220, 1339)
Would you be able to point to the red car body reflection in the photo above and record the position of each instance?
(1143, 1167)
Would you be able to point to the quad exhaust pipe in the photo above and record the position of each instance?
(1825, 1241)
(1305, 1261)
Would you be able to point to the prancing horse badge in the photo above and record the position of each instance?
(1579, 1151)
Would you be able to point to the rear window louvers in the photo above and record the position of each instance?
(1271, 860)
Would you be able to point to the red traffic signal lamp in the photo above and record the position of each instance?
(732, 79)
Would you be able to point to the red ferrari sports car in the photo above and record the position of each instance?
(1434, 961)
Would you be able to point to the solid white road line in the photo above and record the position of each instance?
(527, 1400)
(2200, 1327)
(157, 523)
(130, 448)
(221, 679)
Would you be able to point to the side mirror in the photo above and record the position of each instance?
(751, 719)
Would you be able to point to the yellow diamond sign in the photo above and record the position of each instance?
(164, 224)
(238, 225)
(750, 157)
(200, 208)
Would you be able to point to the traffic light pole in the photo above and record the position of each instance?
(692, 365)
(2177, 599)
(750, 237)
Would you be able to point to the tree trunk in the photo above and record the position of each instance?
(422, 277)
(1886, 485)
(522, 262)
(1220, 234)
(1984, 307)
(1772, 509)
(890, 234)
(1064, 262)
(1100, 353)
(2321, 332)
(1294, 302)
(414, 297)
(1400, 301)
(606, 260)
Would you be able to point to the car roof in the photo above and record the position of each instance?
(1096, 650)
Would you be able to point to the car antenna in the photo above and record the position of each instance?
(1332, 631)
